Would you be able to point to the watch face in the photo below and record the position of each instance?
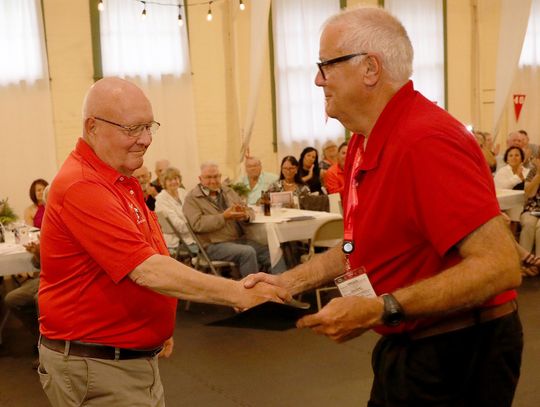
(394, 319)
(393, 314)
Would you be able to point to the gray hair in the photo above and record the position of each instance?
(208, 164)
(375, 30)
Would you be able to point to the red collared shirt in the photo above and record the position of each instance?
(423, 186)
(96, 230)
(334, 179)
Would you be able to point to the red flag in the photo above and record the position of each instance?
(518, 104)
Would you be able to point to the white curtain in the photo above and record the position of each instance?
(28, 145)
(527, 80)
(423, 20)
(512, 29)
(301, 117)
(154, 54)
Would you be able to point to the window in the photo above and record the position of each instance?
(21, 42)
(301, 114)
(530, 53)
(135, 46)
(424, 22)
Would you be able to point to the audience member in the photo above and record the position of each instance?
(161, 165)
(329, 155)
(290, 179)
(256, 180)
(531, 150)
(513, 174)
(308, 168)
(530, 225)
(486, 149)
(169, 202)
(33, 215)
(149, 191)
(218, 216)
(335, 176)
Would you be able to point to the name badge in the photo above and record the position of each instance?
(355, 282)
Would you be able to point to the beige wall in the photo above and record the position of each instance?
(212, 47)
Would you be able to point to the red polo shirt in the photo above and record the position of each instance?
(96, 230)
(423, 186)
(334, 179)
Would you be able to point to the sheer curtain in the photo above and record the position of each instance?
(527, 80)
(423, 20)
(301, 118)
(28, 145)
(154, 54)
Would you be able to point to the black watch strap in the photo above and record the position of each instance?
(393, 314)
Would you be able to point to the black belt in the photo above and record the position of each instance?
(91, 350)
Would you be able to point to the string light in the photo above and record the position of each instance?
(242, 6)
(180, 21)
(209, 15)
(101, 6)
(143, 15)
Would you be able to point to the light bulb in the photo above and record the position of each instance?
(143, 15)
(242, 5)
(180, 21)
(209, 15)
(101, 6)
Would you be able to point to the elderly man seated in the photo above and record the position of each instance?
(256, 180)
(217, 215)
(335, 176)
(149, 191)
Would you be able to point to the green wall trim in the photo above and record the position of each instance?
(96, 40)
(272, 82)
(445, 42)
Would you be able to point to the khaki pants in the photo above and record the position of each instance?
(77, 381)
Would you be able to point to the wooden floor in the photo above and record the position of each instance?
(226, 367)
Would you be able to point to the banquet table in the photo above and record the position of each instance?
(286, 225)
(14, 259)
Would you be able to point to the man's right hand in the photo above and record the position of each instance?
(253, 279)
(260, 293)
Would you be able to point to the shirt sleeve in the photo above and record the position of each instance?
(104, 229)
(452, 188)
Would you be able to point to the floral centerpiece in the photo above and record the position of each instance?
(7, 215)
(241, 189)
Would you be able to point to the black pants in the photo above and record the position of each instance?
(473, 367)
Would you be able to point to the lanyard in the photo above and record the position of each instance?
(351, 204)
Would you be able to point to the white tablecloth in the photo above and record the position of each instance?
(511, 202)
(14, 259)
(282, 227)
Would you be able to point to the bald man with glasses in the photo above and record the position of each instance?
(108, 288)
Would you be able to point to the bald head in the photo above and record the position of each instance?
(110, 107)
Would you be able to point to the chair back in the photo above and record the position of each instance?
(335, 203)
(182, 251)
(328, 234)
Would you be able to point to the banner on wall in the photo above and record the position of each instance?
(519, 100)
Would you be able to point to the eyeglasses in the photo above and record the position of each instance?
(211, 177)
(336, 61)
(289, 168)
(137, 129)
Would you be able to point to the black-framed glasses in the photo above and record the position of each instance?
(336, 61)
(137, 129)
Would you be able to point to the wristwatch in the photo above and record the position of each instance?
(393, 314)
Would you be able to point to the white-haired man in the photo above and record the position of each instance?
(256, 179)
(423, 232)
(217, 214)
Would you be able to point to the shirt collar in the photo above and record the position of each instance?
(105, 170)
(386, 124)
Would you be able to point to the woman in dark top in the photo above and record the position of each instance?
(309, 169)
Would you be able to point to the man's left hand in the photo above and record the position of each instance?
(168, 346)
(345, 318)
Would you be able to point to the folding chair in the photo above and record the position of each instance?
(327, 235)
(182, 252)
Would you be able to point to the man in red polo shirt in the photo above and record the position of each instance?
(428, 258)
(108, 289)
(334, 180)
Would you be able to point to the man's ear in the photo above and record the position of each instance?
(90, 126)
(373, 70)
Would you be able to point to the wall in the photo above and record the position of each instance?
(213, 48)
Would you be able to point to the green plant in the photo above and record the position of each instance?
(6, 213)
(241, 189)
